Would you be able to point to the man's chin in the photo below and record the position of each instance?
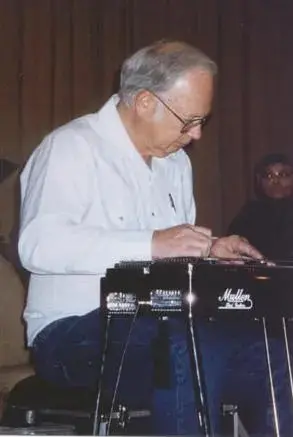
(171, 148)
(174, 147)
(187, 143)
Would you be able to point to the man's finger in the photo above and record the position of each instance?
(202, 230)
(247, 249)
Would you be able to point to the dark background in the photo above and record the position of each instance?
(59, 59)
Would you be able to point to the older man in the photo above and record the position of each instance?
(110, 186)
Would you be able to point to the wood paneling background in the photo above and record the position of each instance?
(60, 58)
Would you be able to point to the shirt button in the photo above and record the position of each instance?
(153, 214)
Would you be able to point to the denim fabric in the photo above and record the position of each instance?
(68, 353)
(249, 382)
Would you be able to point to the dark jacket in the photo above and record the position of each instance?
(268, 225)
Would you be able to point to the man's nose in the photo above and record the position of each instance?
(275, 178)
(195, 132)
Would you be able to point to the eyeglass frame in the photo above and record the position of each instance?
(187, 124)
(269, 176)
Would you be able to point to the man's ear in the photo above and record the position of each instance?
(145, 104)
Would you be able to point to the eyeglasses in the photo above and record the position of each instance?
(187, 124)
(277, 175)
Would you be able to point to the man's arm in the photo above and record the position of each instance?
(57, 187)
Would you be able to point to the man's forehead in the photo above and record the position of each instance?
(279, 165)
(193, 93)
(194, 77)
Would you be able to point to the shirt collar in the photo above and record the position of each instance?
(109, 125)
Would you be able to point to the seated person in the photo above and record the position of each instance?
(117, 185)
(267, 221)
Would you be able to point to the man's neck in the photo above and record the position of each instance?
(135, 131)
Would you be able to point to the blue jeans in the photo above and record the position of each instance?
(68, 353)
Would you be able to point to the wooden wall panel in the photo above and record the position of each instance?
(280, 84)
(113, 45)
(178, 19)
(231, 109)
(37, 73)
(205, 153)
(150, 15)
(83, 74)
(62, 59)
(10, 135)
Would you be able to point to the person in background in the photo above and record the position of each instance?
(267, 221)
(111, 186)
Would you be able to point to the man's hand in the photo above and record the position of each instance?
(234, 247)
(183, 240)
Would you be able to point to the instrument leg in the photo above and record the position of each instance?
(272, 388)
(198, 381)
(196, 368)
(288, 354)
(99, 426)
(238, 429)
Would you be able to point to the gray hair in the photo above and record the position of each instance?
(158, 67)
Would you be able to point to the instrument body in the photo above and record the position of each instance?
(219, 288)
(211, 288)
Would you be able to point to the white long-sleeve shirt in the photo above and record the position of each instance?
(88, 201)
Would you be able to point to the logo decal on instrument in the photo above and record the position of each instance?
(239, 300)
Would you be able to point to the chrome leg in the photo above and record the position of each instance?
(288, 354)
(199, 386)
(272, 388)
